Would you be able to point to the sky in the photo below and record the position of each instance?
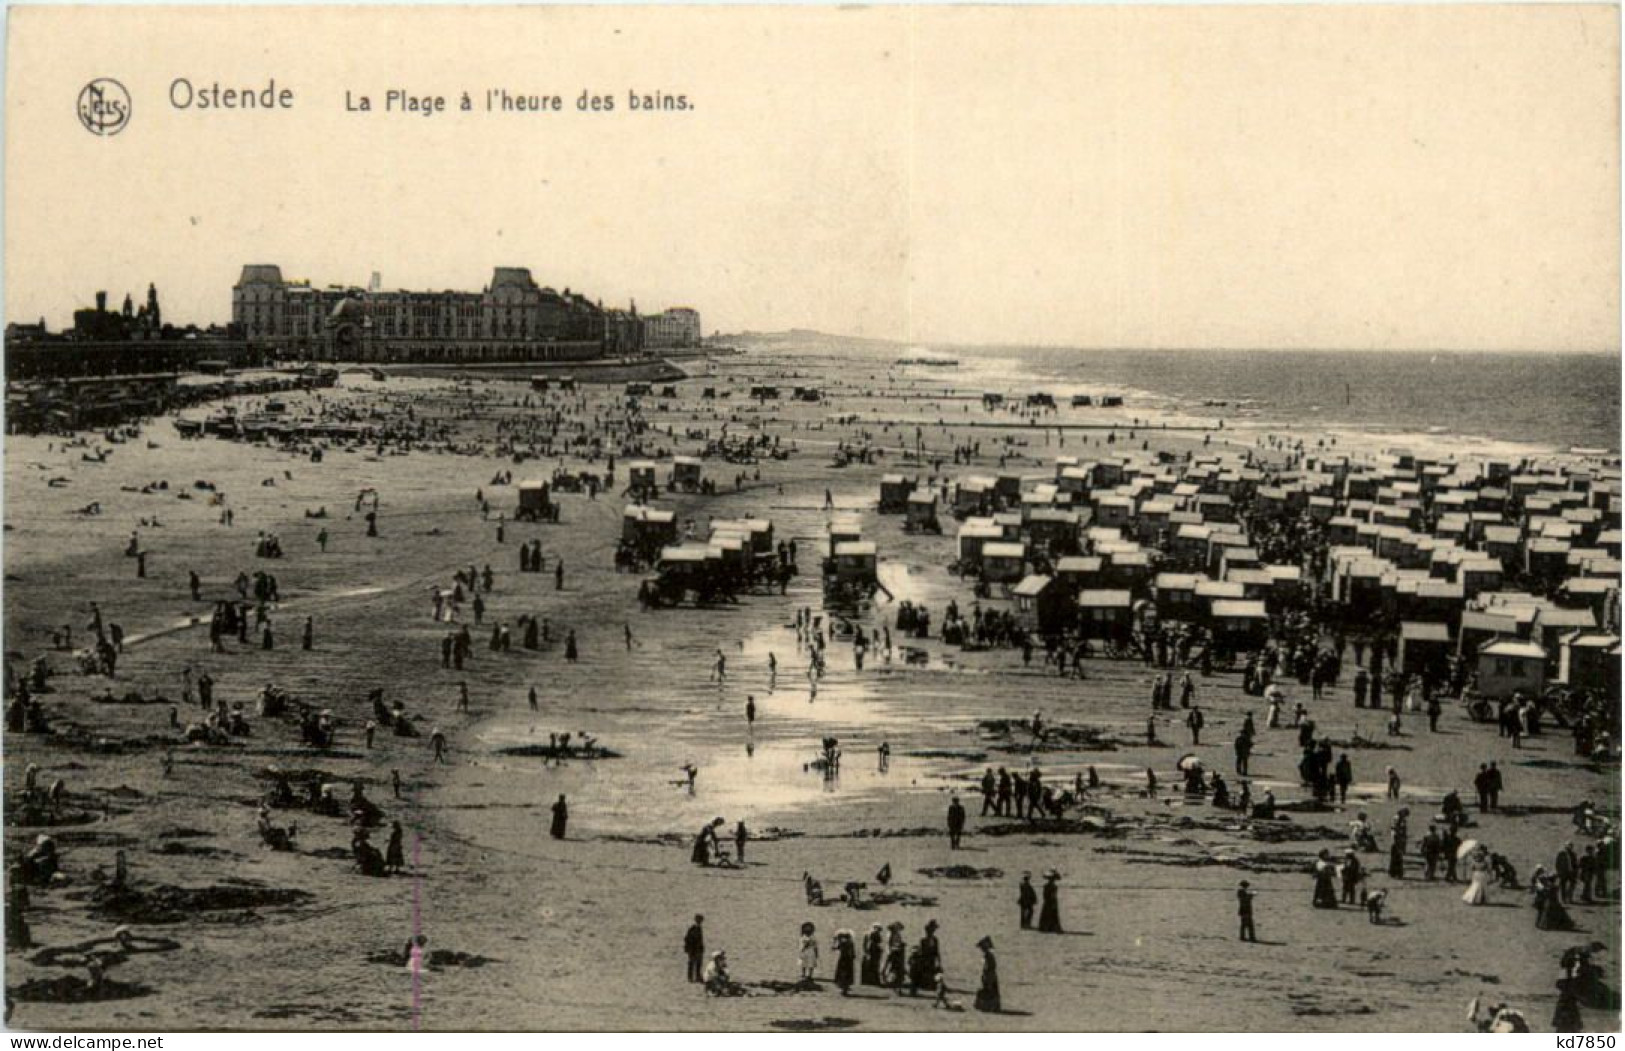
(1386, 177)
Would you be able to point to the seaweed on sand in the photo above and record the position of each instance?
(72, 989)
(169, 904)
(961, 872)
(1057, 736)
(810, 1025)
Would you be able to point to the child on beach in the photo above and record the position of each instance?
(809, 951)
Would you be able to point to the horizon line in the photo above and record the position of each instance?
(929, 345)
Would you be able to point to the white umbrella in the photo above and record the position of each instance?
(1466, 848)
(1191, 761)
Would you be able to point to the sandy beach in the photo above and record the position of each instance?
(528, 932)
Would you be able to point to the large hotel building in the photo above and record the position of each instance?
(511, 319)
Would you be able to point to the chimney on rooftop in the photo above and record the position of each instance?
(101, 302)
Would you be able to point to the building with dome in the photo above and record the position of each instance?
(512, 319)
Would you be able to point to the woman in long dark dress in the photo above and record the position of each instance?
(874, 951)
(846, 954)
(561, 817)
(927, 960)
(1049, 912)
(394, 854)
(896, 970)
(705, 844)
(1566, 1015)
(1550, 915)
(987, 997)
(1325, 882)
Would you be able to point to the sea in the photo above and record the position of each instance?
(1534, 403)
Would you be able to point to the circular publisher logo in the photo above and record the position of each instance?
(104, 106)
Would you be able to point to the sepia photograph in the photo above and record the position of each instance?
(812, 519)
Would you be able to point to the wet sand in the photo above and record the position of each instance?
(587, 932)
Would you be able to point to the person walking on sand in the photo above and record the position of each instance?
(750, 711)
(307, 637)
(846, 955)
(895, 971)
(558, 575)
(874, 952)
(394, 853)
(987, 996)
(1026, 900)
(561, 818)
(1244, 911)
(1195, 721)
(926, 965)
(694, 948)
(719, 667)
(533, 699)
(741, 837)
(437, 741)
(1049, 917)
(571, 653)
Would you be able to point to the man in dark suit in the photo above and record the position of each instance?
(1244, 912)
(1430, 852)
(1568, 867)
(956, 822)
(694, 948)
(1027, 898)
